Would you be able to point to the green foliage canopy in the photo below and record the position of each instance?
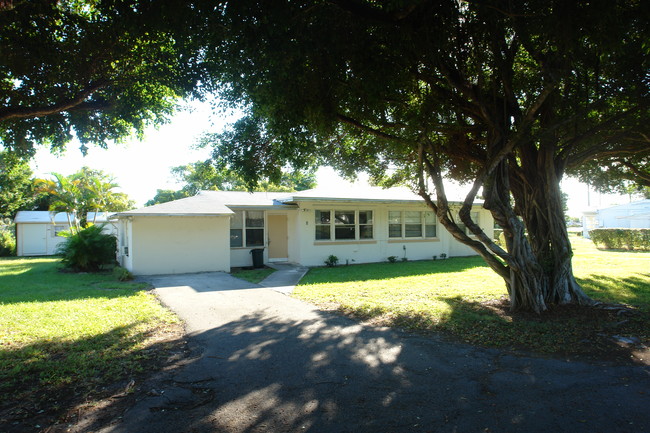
(16, 190)
(505, 96)
(94, 70)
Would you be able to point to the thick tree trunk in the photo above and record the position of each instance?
(536, 264)
(541, 273)
(550, 249)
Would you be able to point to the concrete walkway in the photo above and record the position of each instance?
(265, 362)
(285, 277)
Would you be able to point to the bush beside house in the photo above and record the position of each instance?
(7, 239)
(89, 249)
(631, 239)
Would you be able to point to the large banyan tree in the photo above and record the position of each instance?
(507, 96)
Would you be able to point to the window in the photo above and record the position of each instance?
(430, 230)
(346, 225)
(323, 230)
(255, 228)
(394, 224)
(411, 224)
(365, 224)
(58, 229)
(247, 228)
(463, 227)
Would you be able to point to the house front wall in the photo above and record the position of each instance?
(313, 252)
(240, 256)
(175, 245)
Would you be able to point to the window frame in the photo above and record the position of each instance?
(244, 229)
(333, 224)
(403, 225)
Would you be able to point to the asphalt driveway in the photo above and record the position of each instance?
(265, 362)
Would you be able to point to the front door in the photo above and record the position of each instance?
(278, 238)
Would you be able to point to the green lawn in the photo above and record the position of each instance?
(252, 275)
(462, 297)
(63, 334)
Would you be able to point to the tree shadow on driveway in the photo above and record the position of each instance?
(199, 282)
(326, 373)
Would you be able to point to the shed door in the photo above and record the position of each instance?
(34, 239)
(278, 238)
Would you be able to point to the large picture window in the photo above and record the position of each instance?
(411, 224)
(345, 225)
(247, 229)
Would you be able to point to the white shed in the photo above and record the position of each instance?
(38, 232)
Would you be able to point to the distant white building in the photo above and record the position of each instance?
(38, 233)
(635, 215)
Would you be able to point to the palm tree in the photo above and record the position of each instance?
(99, 194)
(67, 196)
(85, 191)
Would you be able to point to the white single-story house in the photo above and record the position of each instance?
(38, 232)
(634, 215)
(217, 230)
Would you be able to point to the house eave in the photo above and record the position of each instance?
(364, 200)
(170, 214)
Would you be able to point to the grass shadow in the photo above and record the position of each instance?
(563, 330)
(632, 289)
(40, 382)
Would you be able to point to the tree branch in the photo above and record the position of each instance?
(642, 177)
(441, 208)
(377, 133)
(76, 102)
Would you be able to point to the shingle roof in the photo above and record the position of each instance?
(355, 194)
(221, 202)
(244, 198)
(198, 205)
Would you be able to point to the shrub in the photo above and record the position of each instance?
(392, 259)
(122, 274)
(88, 250)
(7, 243)
(621, 238)
(332, 261)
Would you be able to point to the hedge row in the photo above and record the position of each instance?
(631, 239)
